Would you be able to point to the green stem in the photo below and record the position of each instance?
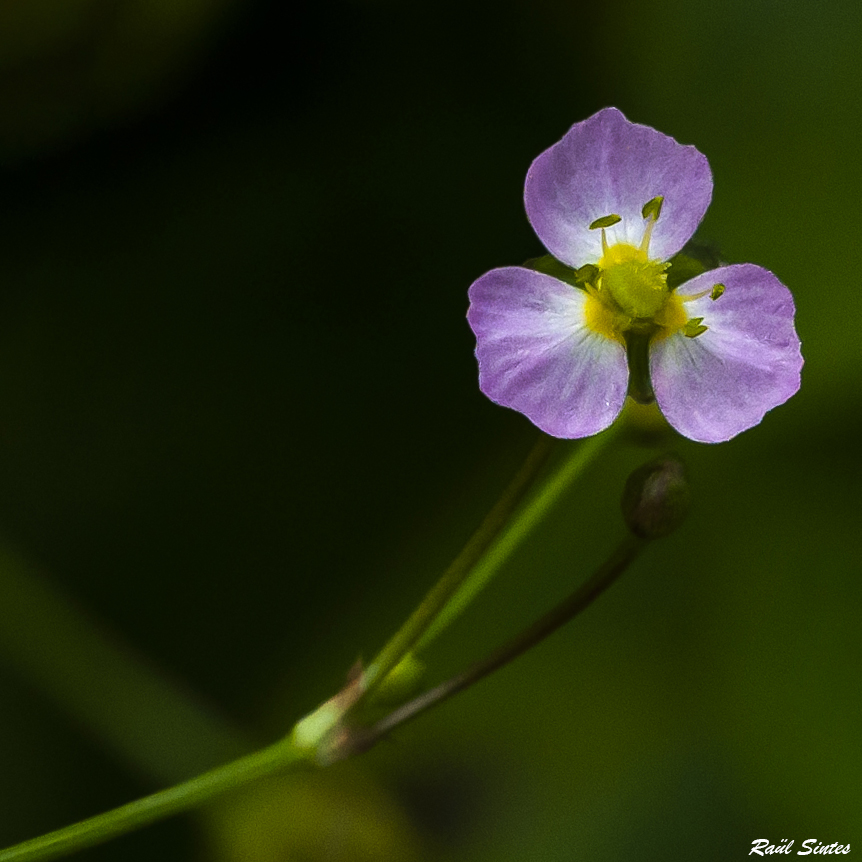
(315, 732)
(276, 758)
(362, 739)
(637, 356)
(148, 720)
(517, 530)
(434, 602)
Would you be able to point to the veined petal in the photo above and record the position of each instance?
(537, 355)
(713, 386)
(606, 165)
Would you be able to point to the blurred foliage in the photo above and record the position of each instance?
(72, 68)
(339, 815)
(240, 423)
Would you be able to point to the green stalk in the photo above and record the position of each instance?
(436, 599)
(145, 718)
(323, 733)
(571, 468)
(282, 756)
(361, 739)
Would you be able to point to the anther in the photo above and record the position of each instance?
(694, 327)
(652, 208)
(606, 221)
(651, 211)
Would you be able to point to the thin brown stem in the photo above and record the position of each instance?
(419, 621)
(360, 739)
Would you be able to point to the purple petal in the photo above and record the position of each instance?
(537, 355)
(748, 361)
(607, 165)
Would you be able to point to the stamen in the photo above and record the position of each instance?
(714, 293)
(694, 327)
(603, 222)
(647, 235)
(606, 221)
(651, 211)
(693, 296)
(652, 208)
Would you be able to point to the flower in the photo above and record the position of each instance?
(615, 201)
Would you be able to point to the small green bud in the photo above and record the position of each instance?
(681, 268)
(606, 221)
(652, 208)
(401, 683)
(707, 254)
(656, 498)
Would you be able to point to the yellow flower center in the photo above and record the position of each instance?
(629, 291)
(636, 284)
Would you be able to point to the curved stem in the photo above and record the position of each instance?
(363, 738)
(317, 733)
(150, 721)
(276, 758)
(434, 602)
(565, 474)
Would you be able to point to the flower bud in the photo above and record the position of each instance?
(656, 498)
(401, 683)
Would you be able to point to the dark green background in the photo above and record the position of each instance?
(240, 425)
